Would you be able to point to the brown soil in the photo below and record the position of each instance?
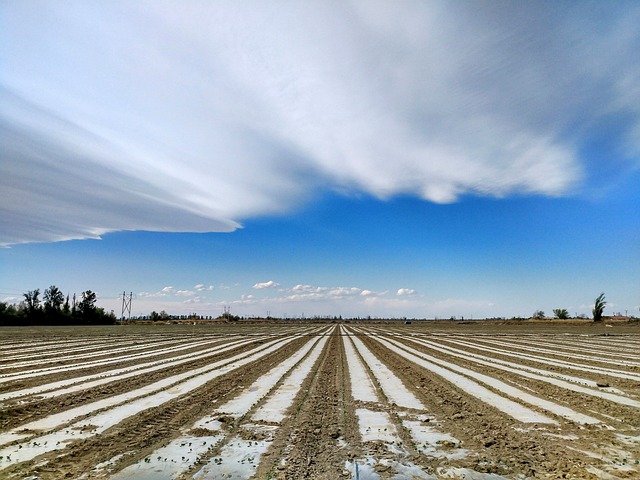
(320, 432)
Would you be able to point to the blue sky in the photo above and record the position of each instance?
(352, 158)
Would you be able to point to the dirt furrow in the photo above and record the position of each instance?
(308, 445)
(17, 413)
(292, 410)
(146, 431)
(495, 441)
(576, 400)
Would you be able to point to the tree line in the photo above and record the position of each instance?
(562, 313)
(54, 308)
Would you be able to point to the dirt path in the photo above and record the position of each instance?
(307, 445)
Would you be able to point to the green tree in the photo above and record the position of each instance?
(32, 302)
(156, 317)
(598, 307)
(538, 314)
(561, 313)
(66, 308)
(86, 308)
(9, 314)
(53, 299)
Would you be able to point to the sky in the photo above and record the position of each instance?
(354, 158)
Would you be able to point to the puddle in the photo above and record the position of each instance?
(376, 426)
(433, 443)
(368, 468)
(170, 461)
(237, 460)
(362, 470)
(466, 474)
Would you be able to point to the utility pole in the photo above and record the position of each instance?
(126, 305)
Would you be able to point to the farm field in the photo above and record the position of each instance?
(321, 401)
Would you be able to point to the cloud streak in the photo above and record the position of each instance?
(162, 118)
(263, 285)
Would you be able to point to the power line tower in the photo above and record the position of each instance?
(126, 305)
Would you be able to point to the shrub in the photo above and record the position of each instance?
(598, 308)
(561, 313)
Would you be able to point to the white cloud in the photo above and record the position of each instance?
(269, 284)
(312, 300)
(168, 291)
(193, 299)
(157, 121)
(405, 292)
(185, 293)
(203, 288)
(302, 297)
(308, 289)
(344, 292)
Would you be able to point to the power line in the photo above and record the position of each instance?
(126, 305)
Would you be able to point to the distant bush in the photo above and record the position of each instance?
(561, 313)
(227, 317)
(538, 314)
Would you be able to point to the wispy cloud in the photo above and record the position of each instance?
(269, 284)
(169, 118)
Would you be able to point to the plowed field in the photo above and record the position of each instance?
(319, 401)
